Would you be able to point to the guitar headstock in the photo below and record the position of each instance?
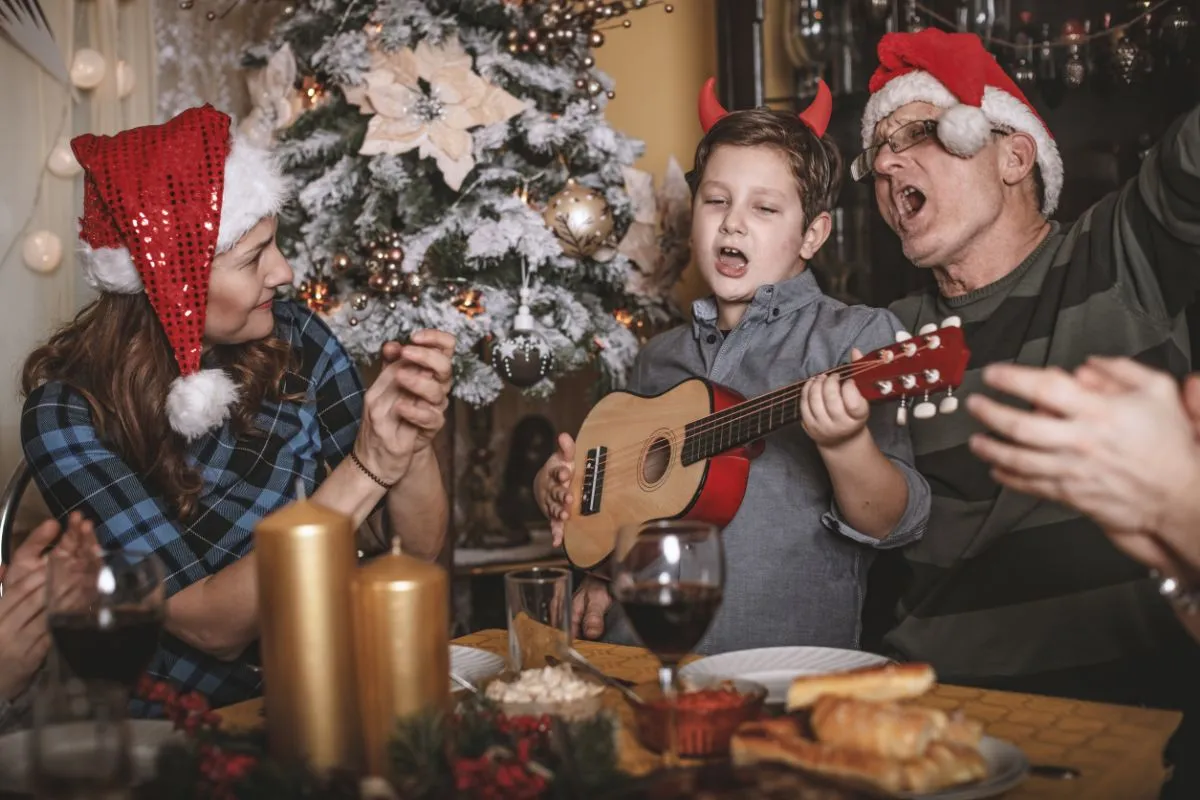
(914, 368)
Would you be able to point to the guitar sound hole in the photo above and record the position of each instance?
(656, 461)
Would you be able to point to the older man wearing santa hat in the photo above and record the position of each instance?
(1006, 590)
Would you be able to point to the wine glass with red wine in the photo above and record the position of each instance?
(669, 577)
(105, 612)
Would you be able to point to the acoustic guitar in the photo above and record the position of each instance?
(685, 454)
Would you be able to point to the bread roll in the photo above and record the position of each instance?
(885, 729)
(889, 682)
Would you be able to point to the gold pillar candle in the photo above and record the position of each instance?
(306, 559)
(401, 646)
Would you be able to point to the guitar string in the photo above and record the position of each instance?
(616, 470)
(776, 397)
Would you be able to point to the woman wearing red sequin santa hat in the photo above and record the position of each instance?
(187, 401)
(1006, 590)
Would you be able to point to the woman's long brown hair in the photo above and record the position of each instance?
(117, 356)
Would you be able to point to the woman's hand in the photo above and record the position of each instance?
(405, 406)
(552, 484)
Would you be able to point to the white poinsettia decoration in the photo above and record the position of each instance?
(429, 98)
(658, 240)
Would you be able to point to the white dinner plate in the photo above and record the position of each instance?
(15, 755)
(473, 664)
(1007, 767)
(776, 667)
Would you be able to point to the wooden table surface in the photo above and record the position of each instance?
(1118, 749)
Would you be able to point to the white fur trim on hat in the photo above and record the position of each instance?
(198, 403)
(109, 269)
(999, 109)
(254, 188)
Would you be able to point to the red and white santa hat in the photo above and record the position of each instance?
(953, 71)
(159, 203)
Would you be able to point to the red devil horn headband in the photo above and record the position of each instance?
(816, 116)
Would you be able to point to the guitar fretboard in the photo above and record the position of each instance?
(741, 424)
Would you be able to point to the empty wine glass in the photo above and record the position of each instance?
(669, 576)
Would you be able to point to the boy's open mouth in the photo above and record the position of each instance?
(731, 262)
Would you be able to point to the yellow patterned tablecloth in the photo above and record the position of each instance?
(1118, 749)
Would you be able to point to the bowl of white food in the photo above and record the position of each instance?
(551, 691)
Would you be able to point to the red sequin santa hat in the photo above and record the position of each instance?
(159, 203)
(953, 71)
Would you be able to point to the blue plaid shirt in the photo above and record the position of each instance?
(244, 480)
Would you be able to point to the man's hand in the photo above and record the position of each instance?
(1115, 441)
(591, 603)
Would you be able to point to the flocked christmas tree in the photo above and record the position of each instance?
(455, 170)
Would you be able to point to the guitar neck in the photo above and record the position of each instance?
(914, 366)
(741, 424)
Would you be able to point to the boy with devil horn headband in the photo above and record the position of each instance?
(821, 500)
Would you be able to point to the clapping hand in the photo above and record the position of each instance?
(406, 405)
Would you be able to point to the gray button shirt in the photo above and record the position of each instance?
(795, 571)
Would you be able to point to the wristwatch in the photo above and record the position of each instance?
(1182, 598)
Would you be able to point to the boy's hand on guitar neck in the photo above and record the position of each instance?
(552, 486)
(833, 411)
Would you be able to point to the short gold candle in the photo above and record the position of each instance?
(306, 560)
(401, 644)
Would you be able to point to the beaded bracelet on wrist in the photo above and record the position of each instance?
(367, 472)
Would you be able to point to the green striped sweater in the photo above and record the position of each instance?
(1004, 585)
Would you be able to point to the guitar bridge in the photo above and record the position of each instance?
(593, 480)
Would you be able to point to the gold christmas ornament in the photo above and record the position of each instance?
(580, 218)
(340, 263)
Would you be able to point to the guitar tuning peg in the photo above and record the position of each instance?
(952, 322)
(949, 403)
(924, 409)
(903, 336)
(928, 328)
(902, 412)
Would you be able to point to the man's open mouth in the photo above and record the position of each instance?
(910, 201)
